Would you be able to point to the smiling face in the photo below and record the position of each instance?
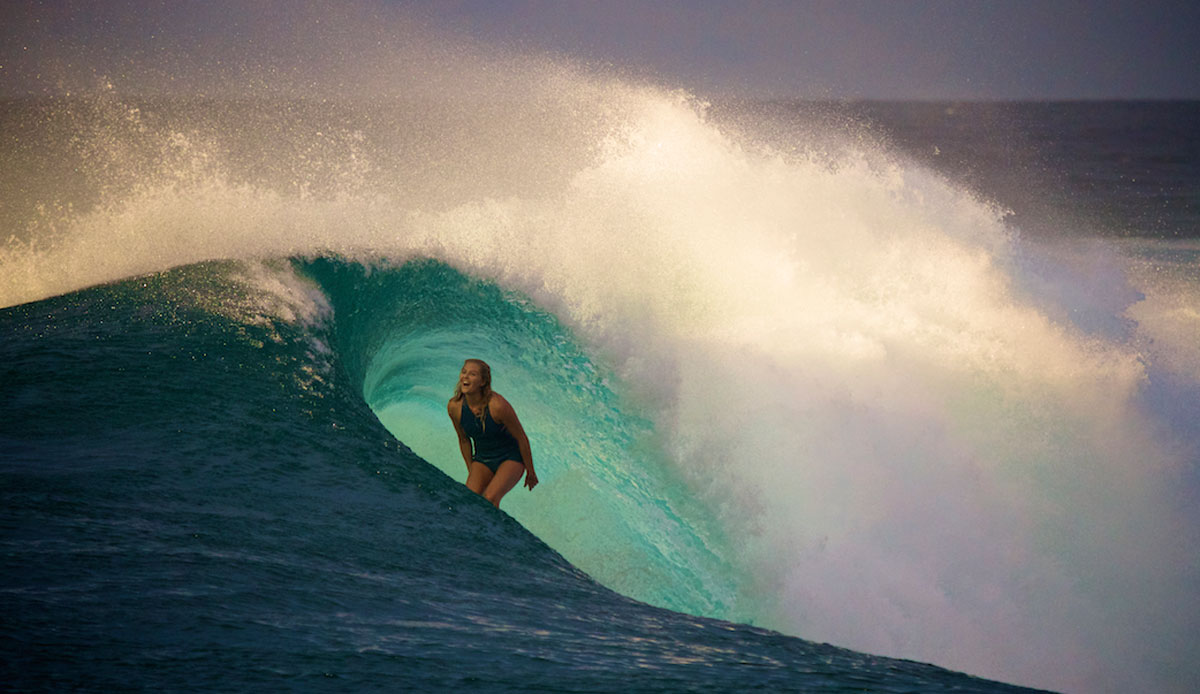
(474, 378)
(470, 378)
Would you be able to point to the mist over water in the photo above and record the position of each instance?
(926, 435)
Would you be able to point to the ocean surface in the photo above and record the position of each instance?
(823, 396)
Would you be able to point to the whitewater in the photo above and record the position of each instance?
(779, 374)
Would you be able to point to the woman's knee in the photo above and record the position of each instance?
(495, 492)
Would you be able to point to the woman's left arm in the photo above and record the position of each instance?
(507, 416)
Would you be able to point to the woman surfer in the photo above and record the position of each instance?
(493, 444)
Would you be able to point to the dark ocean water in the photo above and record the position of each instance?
(912, 379)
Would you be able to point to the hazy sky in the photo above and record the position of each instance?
(868, 48)
(888, 49)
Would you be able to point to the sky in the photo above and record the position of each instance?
(887, 49)
(875, 49)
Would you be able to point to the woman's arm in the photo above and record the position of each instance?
(464, 443)
(503, 413)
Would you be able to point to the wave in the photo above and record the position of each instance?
(196, 495)
(817, 388)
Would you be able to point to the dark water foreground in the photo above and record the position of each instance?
(195, 497)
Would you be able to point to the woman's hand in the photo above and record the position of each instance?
(531, 480)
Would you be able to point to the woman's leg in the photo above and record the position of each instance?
(478, 477)
(506, 477)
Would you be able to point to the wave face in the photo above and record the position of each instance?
(775, 373)
(196, 496)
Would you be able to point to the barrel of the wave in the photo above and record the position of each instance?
(403, 332)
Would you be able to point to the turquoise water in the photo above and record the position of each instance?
(611, 503)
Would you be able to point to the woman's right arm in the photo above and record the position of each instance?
(464, 443)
